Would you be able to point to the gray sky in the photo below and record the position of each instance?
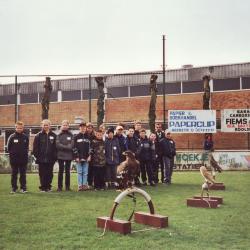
(115, 36)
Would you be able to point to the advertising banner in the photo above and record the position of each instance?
(235, 120)
(186, 160)
(192, 121)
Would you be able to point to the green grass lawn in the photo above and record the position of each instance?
(67, 220)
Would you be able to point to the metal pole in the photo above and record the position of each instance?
(164, 84)
(248, 136)
(90, 98)
(16, 103)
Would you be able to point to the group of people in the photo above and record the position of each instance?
(96, 153)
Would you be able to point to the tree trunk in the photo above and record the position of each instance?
(152, 106)
(46, 98)
(206, 95)
(100, 101)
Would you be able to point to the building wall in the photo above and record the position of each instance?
(130, 109)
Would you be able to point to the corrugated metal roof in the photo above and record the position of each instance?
(131, 79)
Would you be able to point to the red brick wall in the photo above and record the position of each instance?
(130, 109)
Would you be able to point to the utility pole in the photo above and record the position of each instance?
(90, 97)
(164, 83)
(16, 101)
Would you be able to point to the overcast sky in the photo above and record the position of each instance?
(115, 36)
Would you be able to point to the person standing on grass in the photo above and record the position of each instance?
(64, 145)
(145, 154)
(90, 134)
(112, 154)
(18, 148)
(98, 161)
(82, 156)
(167, 145)
(44, 150)
(159, 161)
(154, 165)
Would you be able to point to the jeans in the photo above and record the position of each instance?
(168, 167)
(82, 172)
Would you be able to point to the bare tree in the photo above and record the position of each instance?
(100, 101)
(206, 95)
(152, 106)
(46, 98)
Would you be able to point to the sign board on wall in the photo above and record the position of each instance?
(235, 120)
(192, 121)
(186, 160)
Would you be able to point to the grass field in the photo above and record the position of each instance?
(67, 220)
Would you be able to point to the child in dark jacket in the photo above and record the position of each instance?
(112, 153)
(145, 154)
(98, 161)
(82, 157)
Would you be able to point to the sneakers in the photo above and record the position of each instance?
(23, 191)
(13, 191)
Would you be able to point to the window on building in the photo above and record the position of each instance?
(226, 84)
(7, 99)
(28, 98)
(71, 95)
(85, 94)
(117, 92)
(246, 82)
(171, 88)
(53, 96)
(192, 87)
(140, 90)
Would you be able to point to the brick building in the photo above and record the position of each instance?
(128, 98)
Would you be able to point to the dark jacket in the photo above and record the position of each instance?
(208, 144)
(64, 145)
(44, 147)
(133, 144)
(112, 151)
(145, 150)
(98, 153)
(159, 135)
(122, 141)
(81, 146)
(168, 147)
(18, 148)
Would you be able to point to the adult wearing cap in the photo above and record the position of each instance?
(168, 149)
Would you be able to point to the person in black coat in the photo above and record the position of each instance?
(18, 148)
(167, 145)
(44, 150)
(82, 156)
(132, 141)
(122, 141)
(112, 154)
(159, 161)
(145, 154)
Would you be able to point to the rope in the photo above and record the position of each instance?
(104, 229)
